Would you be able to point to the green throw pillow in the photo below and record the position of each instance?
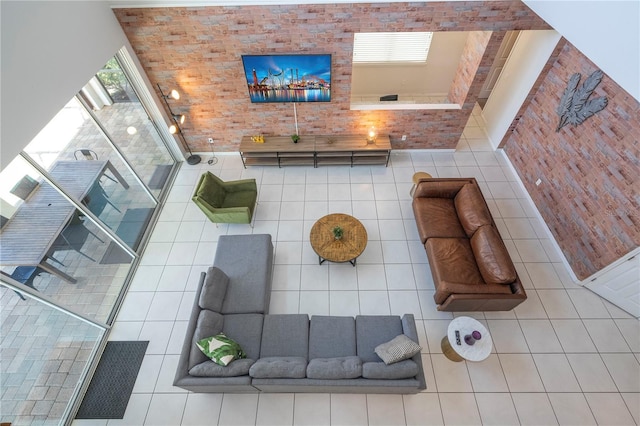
(221, 349)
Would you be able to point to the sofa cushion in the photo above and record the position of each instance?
(209, 324)
(436, 217)
(492, 256)
(239, 367)
(471, 208)
(372, 330)
(348, 367)
(293, 367)
(248, 262)
(397, 349)
(451, 259)
(213, 290)
(211, 190)
(221, 349)
(331, 337)
(246, 329)
(285, 336)
(400, 370)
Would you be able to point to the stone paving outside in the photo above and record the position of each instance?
(43, 351)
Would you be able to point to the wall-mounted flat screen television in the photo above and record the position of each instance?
(288, 78)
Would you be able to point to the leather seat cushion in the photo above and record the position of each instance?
(455, 271)
(492, 256)
(437, 218)
(451, 259)
(471, 209)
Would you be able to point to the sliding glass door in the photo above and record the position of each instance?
(130, 127)
(85, 164)
(76, 207)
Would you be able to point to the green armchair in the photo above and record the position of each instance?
(226, 202)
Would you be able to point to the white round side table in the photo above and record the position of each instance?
(458, 352)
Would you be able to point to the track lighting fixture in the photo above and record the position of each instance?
(175, 127)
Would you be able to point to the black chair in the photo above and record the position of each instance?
(87, 154)
(25, 187)
(73, 236)
(25, 275)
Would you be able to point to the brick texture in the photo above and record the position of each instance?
(198, 50)
(590, 195)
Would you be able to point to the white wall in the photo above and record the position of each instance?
(50, 49)
(606, 31)
(529, 55)
(434, 76)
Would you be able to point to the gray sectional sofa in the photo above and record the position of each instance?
(290, 352)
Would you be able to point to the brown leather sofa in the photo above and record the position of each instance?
(471, 267)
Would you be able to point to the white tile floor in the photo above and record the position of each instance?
(565, 356)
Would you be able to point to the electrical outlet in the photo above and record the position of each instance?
(404, 137)
(210, 140)
(538, 182)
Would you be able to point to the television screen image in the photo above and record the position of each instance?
(288, 78)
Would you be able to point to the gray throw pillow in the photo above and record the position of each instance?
(397, 349)
(214, 290)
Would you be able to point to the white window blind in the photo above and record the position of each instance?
(391, 47)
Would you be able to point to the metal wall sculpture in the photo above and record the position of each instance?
(575, 106)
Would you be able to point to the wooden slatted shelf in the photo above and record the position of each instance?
(315, 150)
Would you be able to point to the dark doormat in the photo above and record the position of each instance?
(112, 383)
(130, 230)
(159, 176)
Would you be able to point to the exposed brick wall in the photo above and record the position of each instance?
(472, 54)
(199, 51)
(590, 195)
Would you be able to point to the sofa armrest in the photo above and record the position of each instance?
(446, 288)
(440, 187)
(224, 214)
(481, 302)
(410, 330)
(182, 371)
(231, 210)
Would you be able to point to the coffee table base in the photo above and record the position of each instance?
(448, 351)
(321, 260)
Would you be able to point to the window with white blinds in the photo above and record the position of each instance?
(391, 47)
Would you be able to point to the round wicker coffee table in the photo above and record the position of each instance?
(345, 249)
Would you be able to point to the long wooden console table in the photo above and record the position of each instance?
(315, 150)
